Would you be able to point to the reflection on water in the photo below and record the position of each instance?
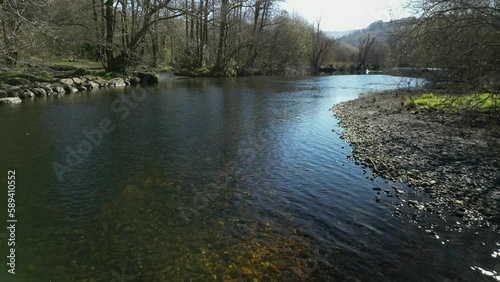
(241, 179)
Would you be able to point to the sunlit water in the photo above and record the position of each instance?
(217, 180)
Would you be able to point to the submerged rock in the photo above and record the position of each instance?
(10, 100)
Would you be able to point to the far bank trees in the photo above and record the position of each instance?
(459, 40)
(224, 37)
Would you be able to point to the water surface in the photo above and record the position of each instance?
(218, 180)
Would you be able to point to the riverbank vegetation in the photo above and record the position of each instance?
(455, 42)
(431, 101)
(194, 36)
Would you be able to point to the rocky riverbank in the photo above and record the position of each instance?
(77, 81)
(453, 157)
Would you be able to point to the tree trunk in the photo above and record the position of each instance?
(220, 63)
(110, 34)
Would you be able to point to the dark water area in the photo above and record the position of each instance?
(243, 179)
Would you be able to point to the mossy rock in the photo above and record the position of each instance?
(148, 78)
(135, 80)
(17, 81)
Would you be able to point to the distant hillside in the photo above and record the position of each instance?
(380, 30)
(338, 34)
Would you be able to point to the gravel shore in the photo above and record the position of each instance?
(455, 158)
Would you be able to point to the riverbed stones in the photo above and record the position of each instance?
(445, 155)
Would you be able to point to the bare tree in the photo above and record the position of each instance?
(460, 39)
(320, 46)
(364, 47)
(121, 49)
(20, 20)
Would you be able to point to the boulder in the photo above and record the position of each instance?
(3, 94)
(117, 82)
(11, 100)
(67, 81)
(77, 81)
(5, 87)
(26, 94)
(134, 80)
(81, 88)
(101, 82)
(48, 90)
(39, 92)
(58, 90)
(14, 92)
(70, 89)
(17, 81)
(88, 78)
(92, 85)
(148, 78)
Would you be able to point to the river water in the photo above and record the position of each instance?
(243, 179)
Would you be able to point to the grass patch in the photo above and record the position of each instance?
(19, 77)
(70, 65)
(165, 68)
(460, 102)
(108, 75)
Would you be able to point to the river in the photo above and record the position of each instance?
(241, 179)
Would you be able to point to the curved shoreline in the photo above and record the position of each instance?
(456, 162)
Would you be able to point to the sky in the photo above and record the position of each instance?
(340, 15)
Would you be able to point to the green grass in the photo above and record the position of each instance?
(33, 75)
(165, 68)
(77, 64)
(460, 102)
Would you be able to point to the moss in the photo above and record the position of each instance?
(73, 65)
(198, 72)
(462, 102)
(108, 75)
(21, 77)
(165, 68)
